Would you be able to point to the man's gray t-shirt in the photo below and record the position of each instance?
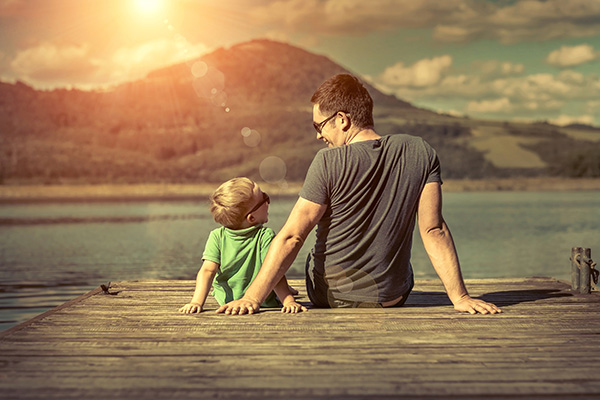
(364, 239)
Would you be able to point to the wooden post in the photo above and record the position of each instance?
(575, 271)
(586, 270)
(582, 267)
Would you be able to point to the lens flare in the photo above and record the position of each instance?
(199, 69)
(251, 137)
(246, 131)
(209, 83)
(272, 169)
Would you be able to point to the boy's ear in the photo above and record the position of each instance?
(250, 218)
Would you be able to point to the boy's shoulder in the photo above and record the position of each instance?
(268, 233)
(217, 232)
(267, 230)
(264, 232)
(250, 232)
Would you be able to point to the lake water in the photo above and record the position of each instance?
(51, 253)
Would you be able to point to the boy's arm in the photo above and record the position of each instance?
(282, 290)
(204, 280)
(281, 254)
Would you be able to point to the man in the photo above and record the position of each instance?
(364, 192)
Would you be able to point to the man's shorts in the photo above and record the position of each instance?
(337, 303)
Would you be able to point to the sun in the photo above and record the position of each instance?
(148, 7)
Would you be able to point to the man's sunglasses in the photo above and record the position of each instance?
(265, 199)
(319, 126)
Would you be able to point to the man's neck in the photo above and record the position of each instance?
(361, 136)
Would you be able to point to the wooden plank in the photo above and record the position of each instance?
(136, 345)
(48, 313)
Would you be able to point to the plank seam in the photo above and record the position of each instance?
(37, 318)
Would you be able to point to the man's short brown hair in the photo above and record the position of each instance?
(345, 93)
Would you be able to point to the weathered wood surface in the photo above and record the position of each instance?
(135, 345)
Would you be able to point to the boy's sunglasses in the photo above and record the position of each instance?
(265, 199)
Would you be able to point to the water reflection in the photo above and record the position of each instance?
(51, 253)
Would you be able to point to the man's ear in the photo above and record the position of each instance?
(346, 123)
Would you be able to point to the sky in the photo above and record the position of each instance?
(510, 60)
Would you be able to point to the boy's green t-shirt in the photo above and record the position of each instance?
(240, 254)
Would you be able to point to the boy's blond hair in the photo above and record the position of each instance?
(231, 200)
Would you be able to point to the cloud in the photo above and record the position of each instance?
(507, 106)
(525, 20)
(50, 65)
(334, 17)
(47, 62)
(343, 16)
(571, 56)
(426, 72)
(449, 20)
(135, 62)
(593, 107)
(494, 88)
(567, 85)
(489, 69)
(502, 105)
(563, 120)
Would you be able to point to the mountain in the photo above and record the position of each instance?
(265, 72)
(245, 110)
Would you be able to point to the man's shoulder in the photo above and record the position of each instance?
(328, 151)
(327, 156)
(402, 138)
(406, 141)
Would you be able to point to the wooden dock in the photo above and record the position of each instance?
(135, 345)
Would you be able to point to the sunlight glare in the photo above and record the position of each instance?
(149, 6)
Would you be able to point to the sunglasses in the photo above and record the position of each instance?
(319, 126)
(265, 199)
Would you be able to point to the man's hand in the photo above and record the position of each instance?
(292, 307)
(239, 307)
(474, 306)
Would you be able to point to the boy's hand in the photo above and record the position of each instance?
(292, 307)
(191, 308)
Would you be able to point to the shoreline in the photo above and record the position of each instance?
(201, 191)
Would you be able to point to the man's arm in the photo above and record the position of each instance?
(282, 253)
(442, 253)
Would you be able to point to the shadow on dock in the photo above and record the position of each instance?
(502, 298)
(512, 297)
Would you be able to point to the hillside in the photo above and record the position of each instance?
(246, 111)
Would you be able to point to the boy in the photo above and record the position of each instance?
(235, 252)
